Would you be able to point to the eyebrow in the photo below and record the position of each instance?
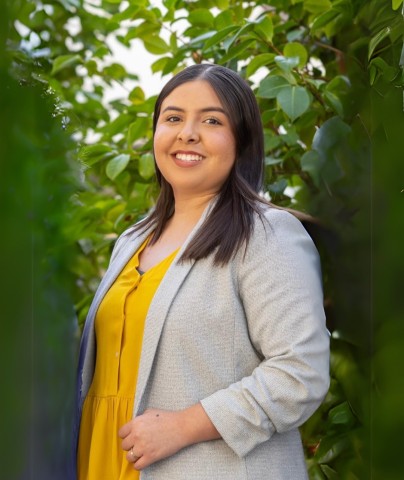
(202, 110)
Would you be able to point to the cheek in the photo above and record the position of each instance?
(157, 139)
(229, 151)
(162, 136)
(159, 148)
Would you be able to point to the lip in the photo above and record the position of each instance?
(186, 152)
(187, 163)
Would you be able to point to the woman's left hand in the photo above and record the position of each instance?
(158, 434)
(152, 436)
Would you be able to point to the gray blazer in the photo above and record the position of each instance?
(247, 340)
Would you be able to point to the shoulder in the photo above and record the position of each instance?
(276, 225)
(280, 253)
(128, 235)
(279, 239)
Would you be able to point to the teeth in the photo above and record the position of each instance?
(188, 158)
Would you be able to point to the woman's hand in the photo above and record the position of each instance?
(157, 434)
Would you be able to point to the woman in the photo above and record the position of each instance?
(209, 347)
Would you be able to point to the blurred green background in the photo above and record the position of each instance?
(76, 169)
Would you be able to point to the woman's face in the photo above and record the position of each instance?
(194, 145)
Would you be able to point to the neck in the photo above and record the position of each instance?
(187, 212)
(191, 208)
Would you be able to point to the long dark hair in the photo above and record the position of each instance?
(231, 221)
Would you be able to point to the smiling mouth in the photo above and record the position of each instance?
(188, 157)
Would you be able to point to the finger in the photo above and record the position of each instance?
(127, 443)
(131, 456)
(141, 463)
(124, 430)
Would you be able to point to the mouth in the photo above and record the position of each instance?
(188, 157)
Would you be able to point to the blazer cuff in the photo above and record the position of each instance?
(236, 430)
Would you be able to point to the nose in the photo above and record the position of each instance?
(188, 133)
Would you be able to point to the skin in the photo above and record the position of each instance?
(192, 122)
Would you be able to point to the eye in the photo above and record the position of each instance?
(173, 119)
(212, 121)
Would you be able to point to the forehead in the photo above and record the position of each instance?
(193, 95)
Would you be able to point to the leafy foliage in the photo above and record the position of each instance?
(318, 68)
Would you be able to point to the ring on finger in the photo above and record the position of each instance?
(132, 454)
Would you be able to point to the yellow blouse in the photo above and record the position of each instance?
(119, 326)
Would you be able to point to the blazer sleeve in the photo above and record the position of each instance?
(281, 291)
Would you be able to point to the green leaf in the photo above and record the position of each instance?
(341, 415)
(330, 134)
(126, 14)
(396, 4)
(169, 3)
(272, 141)
(222, 4)
(224, 20)
(272, 161)
(311, 163)
(339, 84)
(193, 32)
(268, 115)
(244, 29)
(237, 50)
(271, 86)
(258, 62)
(202, 38)
(92, 154)
(219, 36)
(265, 28)
(68, 4)
(146, 166)
(137, 96)
(401, 62)
(25, 12)
(145, 29)
(295, 49)
(173, 42)
(278, 187)
(294, 101)
(373, 74)
(378, 38)
(331, 447)
(324, 19)
(156, 45)
(317, 6)
(315, 472)
(330, 473)
(101, 51)
(239, 12)
(117, 165)
(115, 71)
(65, 61)
(159, 64)
(137, 129)
(92, 67)
(378, 66)
(295, 34)
(290, 137)
(173, 63)
(335, 102)
(117, 125)
(201, 17)
(287, 63)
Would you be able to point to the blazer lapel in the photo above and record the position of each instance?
(88, 344)
(158, 311)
